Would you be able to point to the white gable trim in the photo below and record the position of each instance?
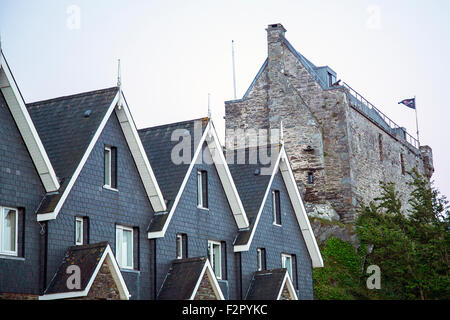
(234, 200)
(140, 157)
(287, 281)
(151, 186)
(215, 284)
(26, 127)
(282, 163)
(116, 274)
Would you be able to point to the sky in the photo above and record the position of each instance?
(173, 53)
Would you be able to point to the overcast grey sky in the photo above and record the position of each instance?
(174, 53)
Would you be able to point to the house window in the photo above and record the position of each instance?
(331, 79)
(276, 208)
(181, 246)
(310, 178)
(79, 226)
(111, 167)
(124, 247)
(202, 189)
(402, 162)
(215, 257)
(8, 231)
(286, 262)
(261, 254)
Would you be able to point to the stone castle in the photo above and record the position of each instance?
(340, 146)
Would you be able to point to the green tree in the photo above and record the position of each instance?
(411, 248)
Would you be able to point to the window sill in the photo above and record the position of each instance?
(202, 208)
(11, 257)
(276, 224)
(110, 188)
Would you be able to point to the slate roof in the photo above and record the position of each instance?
(181, 279)
(66, 132)
(86, 257)
(250, 186)
(158, 147)
(266, 284)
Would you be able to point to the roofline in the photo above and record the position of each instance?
(283, 165)
(287, 280)
(81, 94)
(116, 273)
(172, 124)
(215, 284)
(209, 135)
(16, 105)
(137, 150)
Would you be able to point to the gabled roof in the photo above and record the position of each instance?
(184, 277)
(173, 177)
(89, 258)
(70, 126)
(30, 136)
(269, 285)
(246, 182)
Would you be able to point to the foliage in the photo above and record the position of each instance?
(411, 248)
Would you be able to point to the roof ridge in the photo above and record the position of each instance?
(172, 124)
(86, 93)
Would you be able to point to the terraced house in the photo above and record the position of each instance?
(92, 208)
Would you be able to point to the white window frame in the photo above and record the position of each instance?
(77, 220)
(16, 236)
(284, 257)
(260, 258)
(120, 228)
(274, 207)
(211, 245)
(107, 180)
(199, 189)
(179, 246)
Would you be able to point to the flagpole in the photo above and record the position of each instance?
(417, 122)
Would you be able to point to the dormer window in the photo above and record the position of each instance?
(331, 79)
(202, 189)
(110, 169)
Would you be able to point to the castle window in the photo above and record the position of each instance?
(261, 256)
(276, 207)
(310, 178)
(110, 169)
(402, 162)
(380, 146)
(202, 189)
(8, 231)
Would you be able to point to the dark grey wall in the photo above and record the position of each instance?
(20, 187)
(200, 226)
(105, 208)
(277, 240)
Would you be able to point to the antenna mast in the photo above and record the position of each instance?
(209, 106)
(234, 71)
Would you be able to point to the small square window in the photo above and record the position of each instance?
(124, 247)
(8, 231)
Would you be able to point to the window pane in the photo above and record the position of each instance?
(107, 167)
(79, 231)
(288, 264)
(216, 259)
(119, 246)
(9, 230)
(128, 248)
(179, 246)
(199, 189)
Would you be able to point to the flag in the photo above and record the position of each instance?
(410, 103)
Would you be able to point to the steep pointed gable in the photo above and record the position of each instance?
(271, 285)
(159, 147)
(70, 127)
(32, 140)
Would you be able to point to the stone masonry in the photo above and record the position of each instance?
(205, 290)
(327, 137)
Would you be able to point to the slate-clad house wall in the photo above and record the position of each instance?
(276, 240)
(129, 206)
(20, 187)
(201, 225)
